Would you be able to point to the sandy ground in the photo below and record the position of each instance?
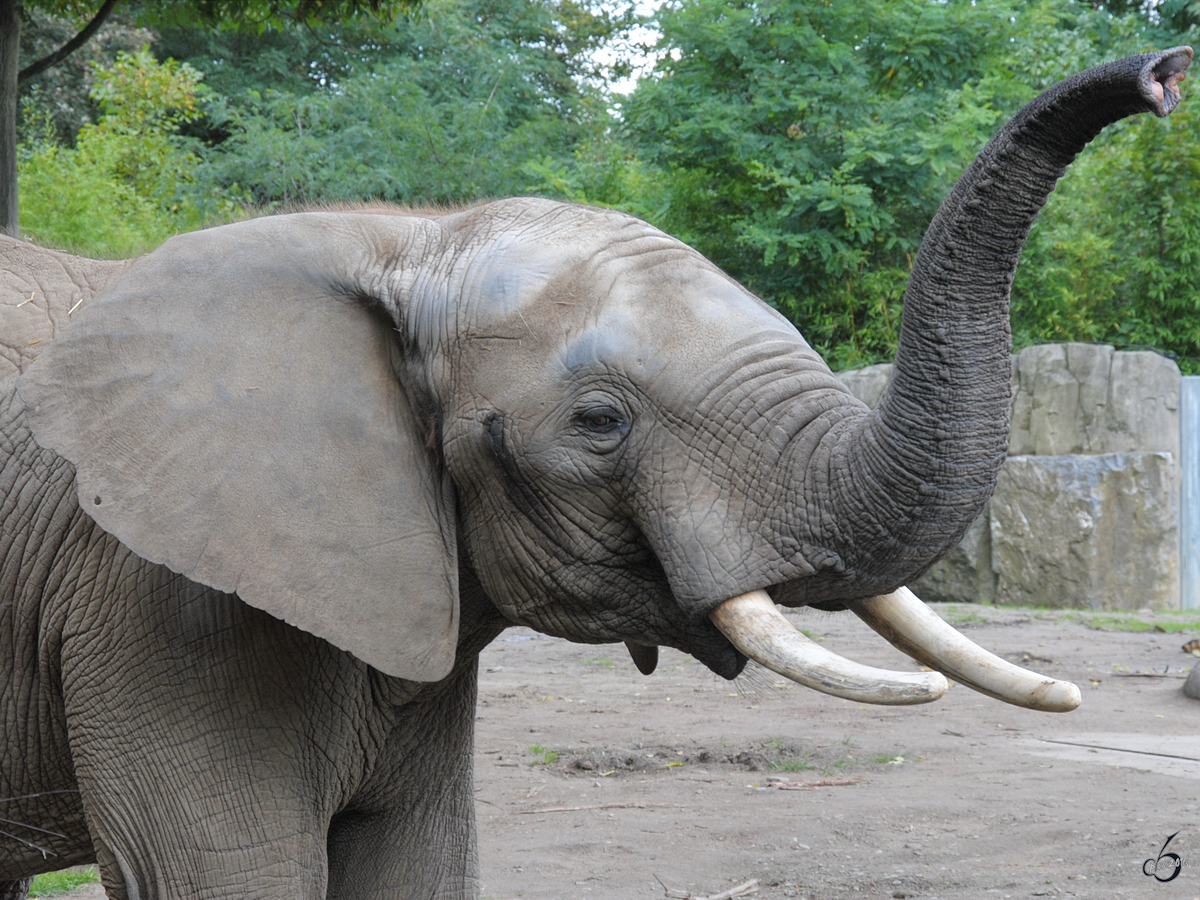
(666, 782)
(596, 782)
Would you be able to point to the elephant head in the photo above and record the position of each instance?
(330, 413)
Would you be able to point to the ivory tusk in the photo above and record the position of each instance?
(756, 627)
(915, 629)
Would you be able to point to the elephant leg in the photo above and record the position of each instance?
(15, 890)
(410, 832)
(203, 745)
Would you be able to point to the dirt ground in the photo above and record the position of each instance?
(596, 782)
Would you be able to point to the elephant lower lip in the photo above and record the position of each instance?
(719, 655)
(645, 656)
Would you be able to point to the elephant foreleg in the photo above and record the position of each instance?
(15, 890)
(410, 831)
(193, 721)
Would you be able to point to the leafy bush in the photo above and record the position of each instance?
(1115, 255)
(124, 187)
(69, 202)
(446, 106)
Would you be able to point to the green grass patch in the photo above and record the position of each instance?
(1133, 623)
(1161, 620)
(791, 765)
(52, 884)
(605, 663)
(842, 762)
(957, 615)
(547, 756)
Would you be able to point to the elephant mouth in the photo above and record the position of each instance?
(754, 625)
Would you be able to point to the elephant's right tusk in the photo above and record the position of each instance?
(912, 627)
(756, 627)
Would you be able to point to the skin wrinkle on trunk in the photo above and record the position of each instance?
(925, 461)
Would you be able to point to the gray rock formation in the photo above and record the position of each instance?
(1191, 687)
(1086, 398)
(1098, 532)
(1086, 511)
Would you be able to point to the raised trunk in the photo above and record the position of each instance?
(907, 481)
(10, 52)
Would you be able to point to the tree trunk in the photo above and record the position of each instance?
(10, 56)
(919, 470)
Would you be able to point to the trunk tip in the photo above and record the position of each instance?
(1160, 79)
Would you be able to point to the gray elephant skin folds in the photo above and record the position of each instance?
(268, 491)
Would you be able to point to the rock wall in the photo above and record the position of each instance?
(1086, 509)
(1088, 398)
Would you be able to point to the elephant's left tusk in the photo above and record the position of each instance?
(756, 627)
(913, 628)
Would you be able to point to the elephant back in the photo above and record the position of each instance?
(39, 291)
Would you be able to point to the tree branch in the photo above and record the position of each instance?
(53, 59)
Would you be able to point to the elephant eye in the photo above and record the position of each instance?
(601, 422)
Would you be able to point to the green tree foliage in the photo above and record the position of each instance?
(63, 92)
(89, 15)
(805, 146)
(442, 106)
(124, 187)
(143, 103)
(1115, 256)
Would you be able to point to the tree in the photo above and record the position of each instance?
(128, 173)
(447, 105)
(805, 146)
(254, 15)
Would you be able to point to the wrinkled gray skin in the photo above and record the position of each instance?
(401, 433)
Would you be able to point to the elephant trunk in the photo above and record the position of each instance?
(907, 485)
(887, 494)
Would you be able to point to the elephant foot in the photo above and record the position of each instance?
(15, 890)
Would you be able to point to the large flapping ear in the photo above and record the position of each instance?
(232, 408)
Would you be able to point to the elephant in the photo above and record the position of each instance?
(270, 489)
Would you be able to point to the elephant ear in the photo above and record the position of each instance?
(233, 412)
